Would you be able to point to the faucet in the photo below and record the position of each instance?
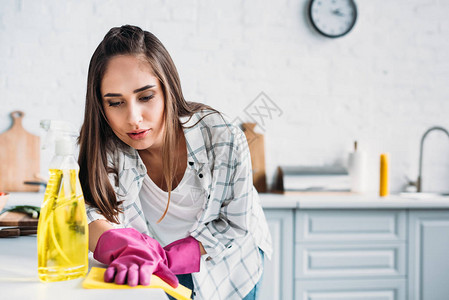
(419, 181)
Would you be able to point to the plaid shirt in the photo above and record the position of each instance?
(232, 226)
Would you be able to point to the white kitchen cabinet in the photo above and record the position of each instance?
(377, 289)
(278, 272)
(350, 260)
(428, 255)
(357, 247)
(338, 225)
(350, 254)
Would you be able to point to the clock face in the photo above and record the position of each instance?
(333, 18)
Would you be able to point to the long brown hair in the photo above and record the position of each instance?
(97, 138)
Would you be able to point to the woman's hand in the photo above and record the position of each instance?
(183, 256)
(132, 257)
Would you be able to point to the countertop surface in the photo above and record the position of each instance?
(19, 279)
(310, 200)
(352, 201)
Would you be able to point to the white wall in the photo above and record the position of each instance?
(383, 84)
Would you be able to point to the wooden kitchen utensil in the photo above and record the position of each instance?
(256, 146)
(17, 223)
(19, 157)
(11, 218)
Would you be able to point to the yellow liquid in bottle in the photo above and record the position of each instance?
(62, 234)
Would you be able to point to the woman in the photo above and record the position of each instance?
(168, 183)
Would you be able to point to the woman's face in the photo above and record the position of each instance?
(133, 102)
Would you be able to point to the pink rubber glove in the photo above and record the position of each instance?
(184, 256)
(132, 257)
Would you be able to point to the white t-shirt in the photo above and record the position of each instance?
(186, 203)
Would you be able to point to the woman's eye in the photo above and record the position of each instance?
(114, 104)
(146, 98)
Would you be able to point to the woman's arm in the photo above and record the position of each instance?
(202, 249)
(227, 221)
(96, 229)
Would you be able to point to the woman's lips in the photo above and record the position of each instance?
(139, 134)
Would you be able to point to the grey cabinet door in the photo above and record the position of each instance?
(350, 260)
(428, 255)
(350, 225)
(356, 289)
(277, 280)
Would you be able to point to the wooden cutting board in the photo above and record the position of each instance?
(256, 146)
(11, 218)
(17, 224)
(19, 157)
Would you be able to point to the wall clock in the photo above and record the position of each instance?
(333, 18)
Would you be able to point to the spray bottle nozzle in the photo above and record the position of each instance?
(61, 133)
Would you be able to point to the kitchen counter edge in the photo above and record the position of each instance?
(304, 201)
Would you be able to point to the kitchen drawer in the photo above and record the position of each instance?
(367, 260)
(381, 289)
(350, 225)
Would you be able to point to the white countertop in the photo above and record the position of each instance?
(18, 270)
(19, 279)
(352, 201)
(308, 201)
(35, 199)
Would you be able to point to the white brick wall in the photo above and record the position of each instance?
(383, 84)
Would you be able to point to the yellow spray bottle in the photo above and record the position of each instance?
(62, 233)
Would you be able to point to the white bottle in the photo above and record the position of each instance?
(357, 170)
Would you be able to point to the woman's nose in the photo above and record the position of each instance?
(134, 115)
